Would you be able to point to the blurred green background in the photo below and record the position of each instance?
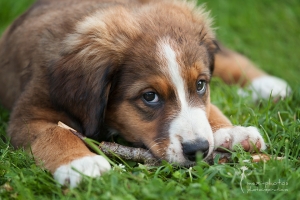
(267, 31)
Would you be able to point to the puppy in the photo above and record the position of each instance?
(134, 67)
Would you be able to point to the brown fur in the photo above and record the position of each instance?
(55, 67)
(240, 69)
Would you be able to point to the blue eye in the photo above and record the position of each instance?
(201, 87)
(151, 97)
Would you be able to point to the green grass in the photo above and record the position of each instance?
(267, 32)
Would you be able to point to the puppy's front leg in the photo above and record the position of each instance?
(59, 151)
(227, 136)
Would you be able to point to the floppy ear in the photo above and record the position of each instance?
(80, 81)
(212, 48)
(82, 92)
(208, 40)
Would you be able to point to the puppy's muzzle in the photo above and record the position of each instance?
(191, 148)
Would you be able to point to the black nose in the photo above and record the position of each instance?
(190, 148)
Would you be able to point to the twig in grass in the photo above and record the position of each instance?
(128, 153)
(263, 157)
(144, 156)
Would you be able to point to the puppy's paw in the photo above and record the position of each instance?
(248, 137)
(266, 86)
(71, 173)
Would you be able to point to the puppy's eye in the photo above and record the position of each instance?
(151, 97)
(201, 87)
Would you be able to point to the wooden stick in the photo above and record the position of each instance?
(128, 153)
(144, 156)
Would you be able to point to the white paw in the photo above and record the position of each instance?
(266, 86)
(246, 136)
(71, 173)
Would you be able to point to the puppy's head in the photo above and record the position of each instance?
(147, 77)
(161, 102)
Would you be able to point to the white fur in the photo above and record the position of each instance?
(71, 173)
(266, 86)
(175, 74)
(236, 135)
(191, 123)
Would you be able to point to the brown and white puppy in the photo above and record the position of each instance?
(140, 68)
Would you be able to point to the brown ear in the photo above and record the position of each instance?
(212, 48)
(82, 92)
(81, 80)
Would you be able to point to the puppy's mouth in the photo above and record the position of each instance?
(181, 158)
(147, 153)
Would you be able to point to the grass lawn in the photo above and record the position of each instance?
(267, 32)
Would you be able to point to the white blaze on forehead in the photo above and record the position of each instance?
(175, 73)
(191, 123)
